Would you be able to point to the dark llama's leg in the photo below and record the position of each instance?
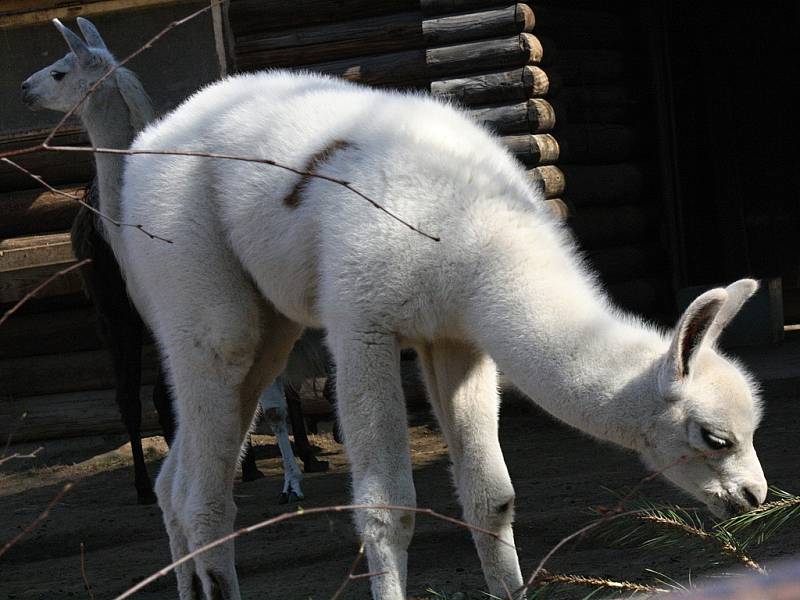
(329, 393)
(250, 471)
(121, 329)
(301, 444)
(163, 401)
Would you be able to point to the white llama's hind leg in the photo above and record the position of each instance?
(218, 375)
(372, 414)
(273, 405)
(462, 384)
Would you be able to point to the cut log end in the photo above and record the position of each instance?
(524, 17)
(541, 115)
(549, 178)
(531, 44)
(535, 80)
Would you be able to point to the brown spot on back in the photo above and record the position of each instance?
(317, 159)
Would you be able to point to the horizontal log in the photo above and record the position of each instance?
(37, 211)
(71, 414)
(377, 35)
(489, 88)
(523, 49)
(55, 332)
(416, 68)
(534, 116)
(71, 372)
(496, 22)
(539, 149)
(438, 7)
(37, 250)
(247, 16)
(309, 45)
(613, 226)
(627, 262)
(622, 183)
(596, 143)
(558, 208)
(56, 168)
(14, 285)
(549, 179)
(589, 67)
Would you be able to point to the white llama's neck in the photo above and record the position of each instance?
(560, 343)
(107, 120)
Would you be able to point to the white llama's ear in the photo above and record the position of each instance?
(90, 34)
(76, 44)
(738, 293)
(694, 328)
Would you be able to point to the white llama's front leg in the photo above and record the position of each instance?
(372, 414)
(462, 384)
(273, 405)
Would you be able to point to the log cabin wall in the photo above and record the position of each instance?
(559, 82)
(564, 84)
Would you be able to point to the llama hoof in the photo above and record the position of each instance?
(315, 466)
(146, 497)
(252, 475)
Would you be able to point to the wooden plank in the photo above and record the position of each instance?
(54, 332)
(16, 13)
(248, 16)
(590, 67)
(70, 414)
(595, 104)
(376, 35)
(534, 116)
(71, 372)
(38, 250)
(415, 68)
(538, 149)
(15, 284)
(488, 88)
(56, 168)
(550, 179)
(37, 211)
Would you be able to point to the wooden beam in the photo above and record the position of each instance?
(19, 13)
(37, 211)
(37, 250)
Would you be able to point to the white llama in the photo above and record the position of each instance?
(112, 116)
(259, 253)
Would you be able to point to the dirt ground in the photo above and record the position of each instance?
(558, 475)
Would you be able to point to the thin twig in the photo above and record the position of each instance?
(351, 576)
(41, 286)
(86, 584)
(83, 203)
(301, 513)
(37, 521)
(17, 455)
(262, 161)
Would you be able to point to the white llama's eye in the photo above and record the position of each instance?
(57, 75)
(714, 442)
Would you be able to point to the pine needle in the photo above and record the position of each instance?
(763, 522)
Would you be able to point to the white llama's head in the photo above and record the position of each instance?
(61, 85)
(701, 435)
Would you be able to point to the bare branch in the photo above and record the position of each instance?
(301, 513)
(17, 455)
(37, 521)
(262, 161)
(80, 201)
(41, 286)
(86, 584)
